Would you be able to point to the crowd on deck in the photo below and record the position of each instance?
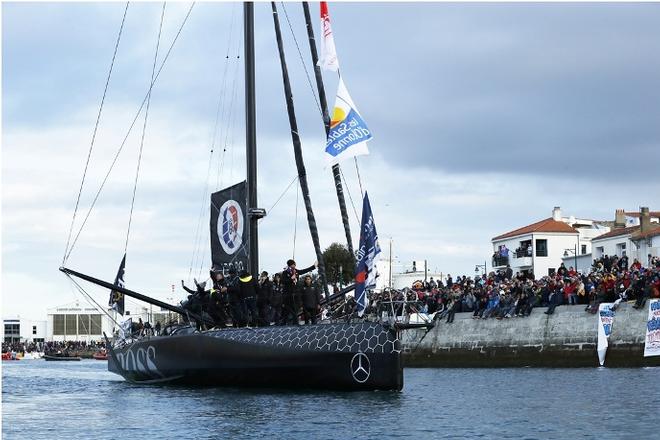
(244, 301)
(503, 294)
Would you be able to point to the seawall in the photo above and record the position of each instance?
(568, 338)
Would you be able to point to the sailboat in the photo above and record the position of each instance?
(333, 356)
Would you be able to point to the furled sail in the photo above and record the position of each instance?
(229, 234)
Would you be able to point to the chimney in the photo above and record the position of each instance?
(556, 214)
(644, 219)
(619, 219)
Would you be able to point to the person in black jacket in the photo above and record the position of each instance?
(276, 299)
(248, 289)
(263, 299)
(291, 298)
(236, 304)
(311, 300)
(197, 301)
(218, 299)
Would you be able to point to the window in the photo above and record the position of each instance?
(12, 330)
(95, 324)
(621, 249)
(83, 324)
(34, 329)
(541, 248)
(58, 324)
(600, 251)
(583, 249)
(70, 324)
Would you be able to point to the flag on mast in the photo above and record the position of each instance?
(367, 255)
(117, 298)
(328, 59)
(348, 133)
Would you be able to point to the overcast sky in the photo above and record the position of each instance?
(484, 116)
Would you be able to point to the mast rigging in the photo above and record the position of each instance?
(297, 149)
(336, 171)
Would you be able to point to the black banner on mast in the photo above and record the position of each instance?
(229, 231)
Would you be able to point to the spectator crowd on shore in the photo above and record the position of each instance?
(52, 347)
(503, 294)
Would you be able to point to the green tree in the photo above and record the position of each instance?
(339, 263)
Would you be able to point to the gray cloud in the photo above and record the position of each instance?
(485, 116)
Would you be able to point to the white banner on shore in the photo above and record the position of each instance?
(652, 340)
(605, 320)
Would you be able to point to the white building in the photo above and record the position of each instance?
(540, 247)
(82, 322)
(637, 241)
(76, 322)
(16, 329)
(404, 276)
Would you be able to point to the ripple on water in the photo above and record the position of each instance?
(65, 400)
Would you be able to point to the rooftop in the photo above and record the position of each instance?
(646, 234)
(652, 214)
(545, 225)
(617, 232)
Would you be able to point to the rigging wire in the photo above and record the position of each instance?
(96, 126)
(193, 260)
(199, 251)
(357, 170)
(229, 135)
(223, 98)
(144, 127)
(90, 298)
(114, 161)
(350, 197)
(295, 224)
(283, 193)
(302, 61)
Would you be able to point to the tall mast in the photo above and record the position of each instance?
(250, 136)
(326, 121)
(297, 150)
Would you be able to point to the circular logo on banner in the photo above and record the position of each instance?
(230, 226)
(360, 367)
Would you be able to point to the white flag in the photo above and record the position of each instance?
(348, 133)
(328, 60)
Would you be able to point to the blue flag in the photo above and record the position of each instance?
(367, 254)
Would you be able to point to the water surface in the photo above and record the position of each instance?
(62, 400)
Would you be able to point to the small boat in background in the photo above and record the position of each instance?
(101, 355)
(61, 357)
(10, 357)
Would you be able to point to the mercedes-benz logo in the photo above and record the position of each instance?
(360, 367)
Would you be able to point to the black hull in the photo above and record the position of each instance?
(324, 356)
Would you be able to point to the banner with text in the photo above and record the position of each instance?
(348, 133)
(652, 340)
(605, 320)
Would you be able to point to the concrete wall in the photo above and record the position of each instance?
(565, 339)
